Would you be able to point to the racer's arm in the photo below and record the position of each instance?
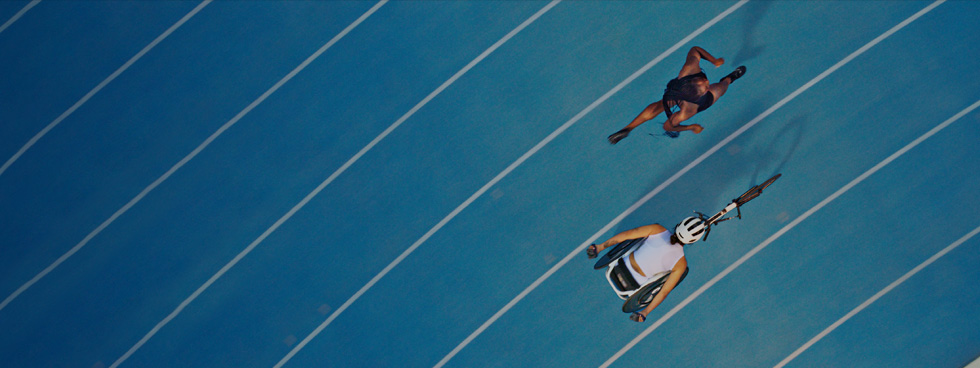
(673, 124)
(675, 277)
(697, 53)
(636, 233)
(692, 64)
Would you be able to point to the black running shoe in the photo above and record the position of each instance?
(738, 73)
(618, 136)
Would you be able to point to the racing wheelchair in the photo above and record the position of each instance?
(638, 296)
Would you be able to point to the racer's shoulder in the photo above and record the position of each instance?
(657, 229)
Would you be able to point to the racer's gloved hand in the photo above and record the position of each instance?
(592, 251)
(618, 136)
(637, 317)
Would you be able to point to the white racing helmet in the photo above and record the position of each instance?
(690, 230)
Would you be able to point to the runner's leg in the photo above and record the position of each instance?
(650, 112)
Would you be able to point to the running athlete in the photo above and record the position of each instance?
(690, 93)
(661, 251)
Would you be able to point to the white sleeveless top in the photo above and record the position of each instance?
(656, 255)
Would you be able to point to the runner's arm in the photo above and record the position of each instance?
(697, 53)
(673, 124)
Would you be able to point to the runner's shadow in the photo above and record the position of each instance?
(750, 45)
(709, 190)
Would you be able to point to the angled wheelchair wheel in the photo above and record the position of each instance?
(642, 297)
(617, 251)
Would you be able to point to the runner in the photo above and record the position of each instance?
(685, 96)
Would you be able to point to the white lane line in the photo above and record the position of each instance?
(654, 192)
(44, 131)
(323, 185)
(674, 178)
(227, 125)
(187, 158)
(404, 254)
(588, 109)
(18, 15)
(877, 296)
(779, 233)
(99, 87)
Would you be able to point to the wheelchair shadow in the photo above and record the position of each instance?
(793, 133)
(709, 190)
(751, 48)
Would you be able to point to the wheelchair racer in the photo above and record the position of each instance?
(661, 251)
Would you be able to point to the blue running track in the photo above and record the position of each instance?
(120, 225)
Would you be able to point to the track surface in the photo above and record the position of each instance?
(96, 305)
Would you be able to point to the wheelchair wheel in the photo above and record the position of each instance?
(617, 251)
(642, 297)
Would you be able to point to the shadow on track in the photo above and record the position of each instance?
(709, 189)
(751, 48)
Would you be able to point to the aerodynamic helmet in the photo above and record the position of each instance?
(690, 230)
